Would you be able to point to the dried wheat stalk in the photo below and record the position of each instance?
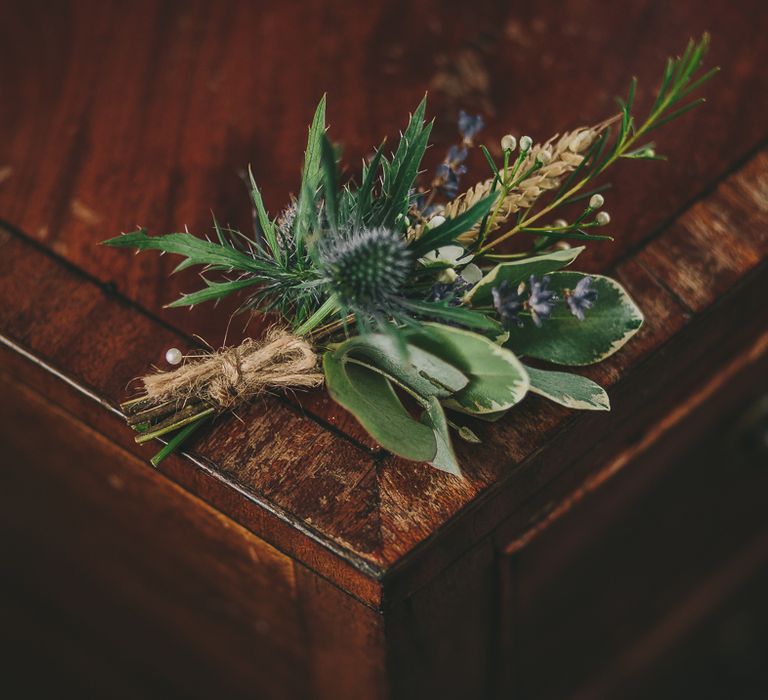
(562, 155)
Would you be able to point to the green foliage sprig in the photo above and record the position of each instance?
(422, 318)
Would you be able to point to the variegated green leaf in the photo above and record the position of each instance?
(497, 380)
(517, 271)
(567, 389)
(564, 340)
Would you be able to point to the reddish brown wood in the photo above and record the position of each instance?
(189, 603)
(611, 592)
(116, 115)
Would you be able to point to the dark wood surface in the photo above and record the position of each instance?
(115, 114)
(145, 116)
(151, 592)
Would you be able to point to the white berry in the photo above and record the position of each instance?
(173, 356)
(508, 142)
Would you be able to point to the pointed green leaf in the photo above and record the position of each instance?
(196, 250)
(450, 230)
(455, 314)
(365, 193)
(330, 186)
(369, 396)
(311, 174)
(214, 290)
(571, 390)
(267, 227)
(445, 458)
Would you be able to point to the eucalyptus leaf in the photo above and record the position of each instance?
(518, 271)
(497, 379)
(564, 340)
(567, 389)
(369, 396)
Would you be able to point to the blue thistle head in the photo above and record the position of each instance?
(366, 270)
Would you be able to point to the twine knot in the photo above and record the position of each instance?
(231, 376)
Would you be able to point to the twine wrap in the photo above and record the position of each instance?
(232, 376)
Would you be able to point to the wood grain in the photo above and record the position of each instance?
(118, 115)
(184, 601)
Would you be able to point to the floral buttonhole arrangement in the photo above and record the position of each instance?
(419, 314)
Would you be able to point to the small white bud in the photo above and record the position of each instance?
(447, 276)
(508, 142)
(525, 143)
(596, 201)
(544, 156)
(559, 223)
(650, 152)
(603, 218)
(435, 221)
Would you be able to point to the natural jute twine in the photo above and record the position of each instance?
(231, 376)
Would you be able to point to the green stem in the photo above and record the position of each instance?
(146, 437)
(176, 441)
(328, 307)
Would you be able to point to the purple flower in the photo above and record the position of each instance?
(542, 300)
(451, 291)
(456, 154)
(469, 125)
(582, 297)
(449, 175)
(508, 304)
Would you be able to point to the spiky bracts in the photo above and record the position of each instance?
(366, 271)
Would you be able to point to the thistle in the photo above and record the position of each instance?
(366, 272)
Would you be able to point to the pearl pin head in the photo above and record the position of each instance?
(173, 356)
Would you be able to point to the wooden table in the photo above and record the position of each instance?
(285, 555)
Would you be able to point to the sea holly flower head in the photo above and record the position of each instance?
(582, 297)
(366, 270)
(508, 304)
(542, 299)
